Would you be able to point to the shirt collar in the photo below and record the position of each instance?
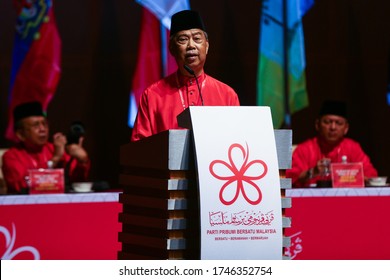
(326, 147)
(188, 81)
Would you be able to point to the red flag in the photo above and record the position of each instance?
(36, 58)
(154, 60)
(149, 68)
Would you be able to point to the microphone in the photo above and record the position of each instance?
(189, 70)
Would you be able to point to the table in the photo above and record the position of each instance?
(75, 226)
(336, 224)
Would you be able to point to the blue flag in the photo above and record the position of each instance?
(270, 75)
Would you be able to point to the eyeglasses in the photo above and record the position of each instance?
(35, 125)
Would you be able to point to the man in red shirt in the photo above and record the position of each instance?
(34, 151)
(330, 143)
(162, 101)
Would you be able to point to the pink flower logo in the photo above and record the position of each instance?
(239, 175)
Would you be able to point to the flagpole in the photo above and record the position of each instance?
(164, 51)
(286, 103)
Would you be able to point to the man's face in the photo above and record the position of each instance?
(34, 131)
(332, 128)
(190, 47)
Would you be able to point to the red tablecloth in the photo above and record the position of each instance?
(332, 224)
(60, 226)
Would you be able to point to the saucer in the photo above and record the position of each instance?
(80, 191)
(378, 186)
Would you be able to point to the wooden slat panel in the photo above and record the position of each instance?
(144, 253)
(286, 202)
(152, 202)
(153, 222)
(286, 242)
(153, 242)
(285, 183)
(153, 183)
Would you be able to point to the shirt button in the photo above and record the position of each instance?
(191, 92)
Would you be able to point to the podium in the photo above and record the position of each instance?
(160, 218)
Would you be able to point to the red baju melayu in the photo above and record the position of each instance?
(164, 100)
(17, 161)
(307, 154)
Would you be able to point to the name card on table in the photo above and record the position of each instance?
(44, 181)
(347, 175)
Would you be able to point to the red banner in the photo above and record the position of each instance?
(339, 224)
(60, 226)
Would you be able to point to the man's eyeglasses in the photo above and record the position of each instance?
(37, 124)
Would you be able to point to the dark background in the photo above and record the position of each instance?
(347, 50)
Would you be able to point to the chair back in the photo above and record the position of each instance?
(3, 188)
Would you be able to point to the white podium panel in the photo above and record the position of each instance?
(238, 180)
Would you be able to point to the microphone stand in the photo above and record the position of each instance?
(189, 70)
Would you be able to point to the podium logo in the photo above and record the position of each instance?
(239, 174)
(10, 239)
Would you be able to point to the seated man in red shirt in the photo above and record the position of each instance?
(35, 151)
(162, 101)
(330, 143)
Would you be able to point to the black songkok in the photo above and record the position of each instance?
(185, 20)
(28, 109)
(331, 107)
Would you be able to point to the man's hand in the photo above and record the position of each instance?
(77, 151)
(59, 142)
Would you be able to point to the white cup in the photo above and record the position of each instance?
(82, 186)
(377, 181)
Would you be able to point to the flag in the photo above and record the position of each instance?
(36, 57)
(153, 61)
(270, 74)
